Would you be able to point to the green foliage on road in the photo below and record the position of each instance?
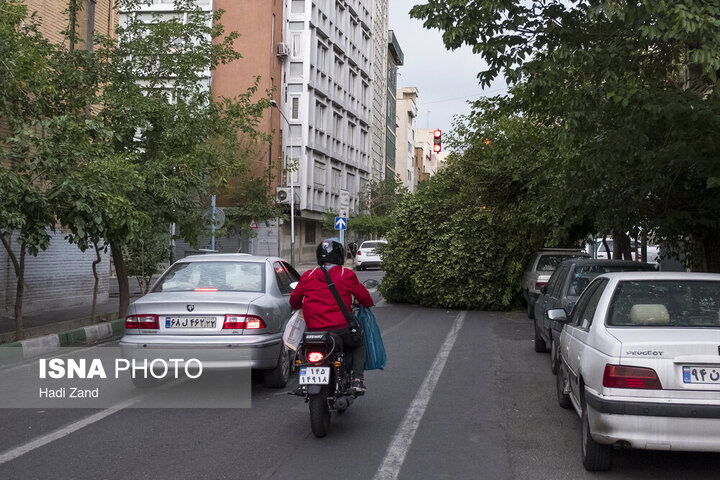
(627, 90)
(463, 239)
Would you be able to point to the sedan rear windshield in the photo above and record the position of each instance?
(370, 244)
(585, 273)
(213, 276)
(665, 303)
(548, 263)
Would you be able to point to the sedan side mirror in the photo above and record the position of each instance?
(558, 315)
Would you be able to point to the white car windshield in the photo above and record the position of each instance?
(666, 303)
(213, 276)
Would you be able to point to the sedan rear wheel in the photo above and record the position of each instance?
(279, 376)
(595, 456)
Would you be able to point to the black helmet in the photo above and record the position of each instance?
(331, 250)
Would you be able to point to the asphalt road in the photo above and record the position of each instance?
(464, 396)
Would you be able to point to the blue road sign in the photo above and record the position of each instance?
(340, 223)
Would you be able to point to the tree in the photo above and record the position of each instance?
(27, 180)
(629, 88)
(377, 204)
(165, 122)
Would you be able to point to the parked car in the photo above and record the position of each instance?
(635, 250)
(542, 264)
(640, 363)
(367, 256)
(216, 301)
(565, 285)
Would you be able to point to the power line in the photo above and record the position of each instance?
(484, 94)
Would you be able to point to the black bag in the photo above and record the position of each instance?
(356, 332)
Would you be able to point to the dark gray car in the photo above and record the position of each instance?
(564, 287)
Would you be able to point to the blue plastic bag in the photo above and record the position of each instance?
(375, 357)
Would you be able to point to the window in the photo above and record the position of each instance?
(310, 233)
(666, 303)
(295, 108)
(283, 278)
(296, 69)
(214, 276)
(297, 6)
(583, 315)
(337, 120)
(296, 45)
(320, 116)
(336, 179)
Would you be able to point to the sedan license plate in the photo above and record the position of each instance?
(709, 374)
(190, 322)
(314, 376)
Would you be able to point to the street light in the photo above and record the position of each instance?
(292, 186)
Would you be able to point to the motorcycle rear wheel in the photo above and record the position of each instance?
(319, 414)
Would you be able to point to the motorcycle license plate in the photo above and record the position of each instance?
(314, 375)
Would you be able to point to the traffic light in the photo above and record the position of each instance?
(437, 140)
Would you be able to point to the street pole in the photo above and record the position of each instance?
(292, 186)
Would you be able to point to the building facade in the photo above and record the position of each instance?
(327, 95)
(379, 88)
(406, 142)
(395, 59)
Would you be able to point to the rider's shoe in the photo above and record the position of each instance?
(358, 386)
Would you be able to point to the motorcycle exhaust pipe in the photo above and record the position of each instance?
(341, 403)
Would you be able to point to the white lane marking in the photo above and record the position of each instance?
(16, 452)
(62, 432)
(403, 438)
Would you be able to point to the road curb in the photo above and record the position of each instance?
(33, 347)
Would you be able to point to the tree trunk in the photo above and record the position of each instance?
(19, 267)
(122, 278)
(19, 295)
(621, 245)
(97, 282)
(711, 247)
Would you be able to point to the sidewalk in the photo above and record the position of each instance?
(66, 320)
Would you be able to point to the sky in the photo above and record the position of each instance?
(446, 80)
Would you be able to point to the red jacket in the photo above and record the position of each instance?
(320, 310)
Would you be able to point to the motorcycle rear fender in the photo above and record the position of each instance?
(314, 389)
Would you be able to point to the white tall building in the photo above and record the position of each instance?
(405, 147)
(327, 95)
(379, 112)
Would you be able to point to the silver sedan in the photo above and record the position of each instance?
(640, 363)
(233, 306)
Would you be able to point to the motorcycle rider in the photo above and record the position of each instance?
(320, 309)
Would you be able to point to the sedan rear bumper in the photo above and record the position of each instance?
(255, 351)
(655, 425)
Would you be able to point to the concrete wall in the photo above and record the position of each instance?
(58, 277)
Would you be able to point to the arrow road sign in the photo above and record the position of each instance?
(340, 223)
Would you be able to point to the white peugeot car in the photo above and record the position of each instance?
(640, 363)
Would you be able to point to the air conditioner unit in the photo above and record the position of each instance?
(282, 195)
(283, 50)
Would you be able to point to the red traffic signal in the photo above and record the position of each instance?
(437, 140)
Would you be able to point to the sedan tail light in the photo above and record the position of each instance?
(145, 322)
(246, 322)
(618, 376)
(359, 252)
(539, 285)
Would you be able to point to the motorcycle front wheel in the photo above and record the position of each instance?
(319, 414)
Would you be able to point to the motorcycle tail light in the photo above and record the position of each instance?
(315, 356)
(618, 376)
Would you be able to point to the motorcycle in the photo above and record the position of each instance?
(324, 378)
